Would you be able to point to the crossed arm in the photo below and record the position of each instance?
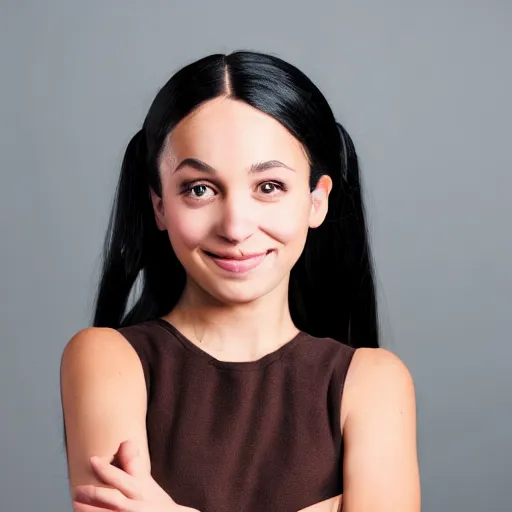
(104, 402)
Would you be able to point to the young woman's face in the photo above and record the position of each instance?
(236, 201)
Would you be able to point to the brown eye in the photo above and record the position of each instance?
(270, 187)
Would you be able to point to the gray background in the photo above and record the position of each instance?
(424, 89)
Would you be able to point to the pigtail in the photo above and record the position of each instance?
(134, 247)
(332, 291)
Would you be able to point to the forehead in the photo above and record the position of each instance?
(228, 133)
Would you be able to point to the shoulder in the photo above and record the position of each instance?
(377, 378)
(97, 357)
(97, 344)
(376, 365)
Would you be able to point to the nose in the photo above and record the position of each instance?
(237, 219)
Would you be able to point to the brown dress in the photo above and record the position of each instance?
(243, 436)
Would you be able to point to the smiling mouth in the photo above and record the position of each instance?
(237, 264)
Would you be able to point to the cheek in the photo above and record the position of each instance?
(290, 224)
(187, 229)
(286, 230)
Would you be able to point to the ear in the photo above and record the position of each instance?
(158, 208)
(320, 201)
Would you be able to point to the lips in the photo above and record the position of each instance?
(237, 264)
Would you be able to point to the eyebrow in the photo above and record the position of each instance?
(255, 168)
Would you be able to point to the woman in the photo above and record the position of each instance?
(246, 374)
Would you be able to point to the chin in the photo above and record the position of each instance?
(238, 293)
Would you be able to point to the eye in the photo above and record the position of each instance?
(197, 191)
(271, 187)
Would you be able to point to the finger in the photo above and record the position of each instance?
(116, 478)
(126, 453)
(329, 505)
(130, 459)
(103, 497)
(82, 507)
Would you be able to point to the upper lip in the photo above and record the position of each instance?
(235, 256)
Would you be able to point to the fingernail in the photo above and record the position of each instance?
(95, 460)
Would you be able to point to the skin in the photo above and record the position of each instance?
(217, 197)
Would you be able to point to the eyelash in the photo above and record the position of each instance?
(187, 188)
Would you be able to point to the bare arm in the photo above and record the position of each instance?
(103, 399)
(381, 471)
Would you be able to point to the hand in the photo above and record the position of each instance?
(331, 505)
(134, 489)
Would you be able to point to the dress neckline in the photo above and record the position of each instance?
(230, 365)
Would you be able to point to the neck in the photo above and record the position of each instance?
(234, 332)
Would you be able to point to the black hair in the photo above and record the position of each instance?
(332, 290)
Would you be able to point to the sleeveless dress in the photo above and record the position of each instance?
(251, 436)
